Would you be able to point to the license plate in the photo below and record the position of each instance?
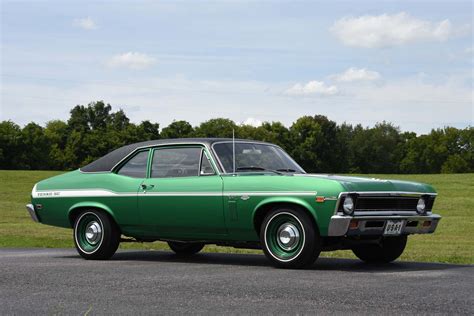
(393, 228)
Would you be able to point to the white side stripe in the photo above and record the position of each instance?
(107, 193)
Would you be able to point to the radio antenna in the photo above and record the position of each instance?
(233, 150)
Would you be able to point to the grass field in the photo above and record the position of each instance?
(453, 241)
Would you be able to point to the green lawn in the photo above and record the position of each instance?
(453, 242)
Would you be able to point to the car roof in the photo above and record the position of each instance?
(110, 160)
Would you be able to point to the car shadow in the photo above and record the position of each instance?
(322, 264)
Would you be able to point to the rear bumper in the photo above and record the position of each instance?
(340, 225)
(31, 209)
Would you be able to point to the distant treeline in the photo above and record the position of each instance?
(315, 142)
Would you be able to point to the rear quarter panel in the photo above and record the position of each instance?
(118, 197)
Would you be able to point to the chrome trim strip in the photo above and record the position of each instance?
(389, 193)
(31, 210)
(273, 193)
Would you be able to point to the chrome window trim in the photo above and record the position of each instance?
(124, 175)
(221, 166)
(185, 145)
(153, 147)
(204, 155)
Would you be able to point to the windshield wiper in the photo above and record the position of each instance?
(286, 170)
(258, 168)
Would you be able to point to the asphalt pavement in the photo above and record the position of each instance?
(58, 281)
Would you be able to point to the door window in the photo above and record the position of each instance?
(136, 166)
(176, 162)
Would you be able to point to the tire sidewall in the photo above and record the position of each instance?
(110, 238)
(185, 248)
(390, 249)
(76, 233)
(310, 248)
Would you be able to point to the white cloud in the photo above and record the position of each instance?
(391, 30)
(85, 23)
(357, 74)
(312, 88)
(415, 103)
(131, 60)
(252, 122)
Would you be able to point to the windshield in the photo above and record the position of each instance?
(251, 157)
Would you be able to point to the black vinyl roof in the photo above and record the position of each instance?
(107, 162)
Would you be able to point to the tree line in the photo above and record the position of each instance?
(315, 142)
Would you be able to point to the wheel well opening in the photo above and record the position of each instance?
(74, 213)
(263, 210)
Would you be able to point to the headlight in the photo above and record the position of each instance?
(421, 206)
(348, 206)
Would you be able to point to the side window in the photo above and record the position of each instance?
(136, 166)
(206, 168)
(176, 162)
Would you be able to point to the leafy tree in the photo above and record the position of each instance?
(36, 147)
(376, 149)
(177, 129)
(219, 127)
(148, 130)
(315, 143)
(10, 145)
(455, 164)
(79, 119)
(98, 115)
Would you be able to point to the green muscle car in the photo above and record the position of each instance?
(240, 193)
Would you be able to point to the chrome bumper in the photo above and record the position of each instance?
(375, 225)
(31, 209)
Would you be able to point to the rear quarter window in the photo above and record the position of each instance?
(136, 166)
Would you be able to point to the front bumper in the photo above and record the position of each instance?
(31, 209)
(342, 225)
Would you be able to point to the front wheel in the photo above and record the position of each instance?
(388, 250)
(185, 248)
(289, 237)
(96, 235)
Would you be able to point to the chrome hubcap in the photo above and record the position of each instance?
(288, 236)
(93, 232)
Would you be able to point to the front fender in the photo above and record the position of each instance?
(289, 200)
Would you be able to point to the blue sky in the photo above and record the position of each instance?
(407, 62)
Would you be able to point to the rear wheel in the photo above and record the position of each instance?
(290, 238)
(96, 235)
(389, 249)
(185, 248)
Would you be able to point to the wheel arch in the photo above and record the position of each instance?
(74, 210)
(268, 204)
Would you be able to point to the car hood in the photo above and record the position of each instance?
(374, 184)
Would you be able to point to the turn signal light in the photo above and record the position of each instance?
(354, 224)
(320, 199)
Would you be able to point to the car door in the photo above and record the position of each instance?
(182, 195)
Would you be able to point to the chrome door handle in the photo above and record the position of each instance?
(147, 186)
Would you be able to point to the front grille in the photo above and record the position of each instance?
(386, 204)
(364, 203)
